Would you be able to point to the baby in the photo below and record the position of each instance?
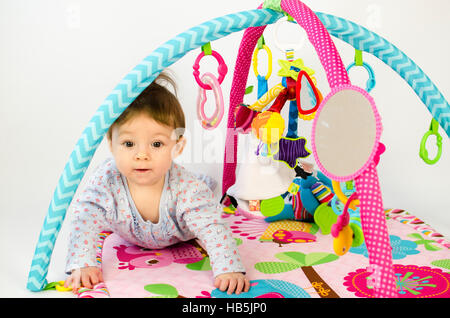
(146, 198)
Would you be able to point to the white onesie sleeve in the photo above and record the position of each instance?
(89, 217)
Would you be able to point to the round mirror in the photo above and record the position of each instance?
(345, 133)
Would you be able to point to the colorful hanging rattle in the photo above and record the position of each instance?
(210, 82)
(213, 121)
(269, 125)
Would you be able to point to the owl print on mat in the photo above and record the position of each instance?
(132, 257)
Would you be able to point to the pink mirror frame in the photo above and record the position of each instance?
(378, 132)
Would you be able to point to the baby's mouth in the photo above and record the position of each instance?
(142, 170)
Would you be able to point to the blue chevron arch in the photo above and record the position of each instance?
(143, 74)
(365, 40)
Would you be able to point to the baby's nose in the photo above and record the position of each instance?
(142, 156)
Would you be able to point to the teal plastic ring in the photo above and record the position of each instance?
(370, 84)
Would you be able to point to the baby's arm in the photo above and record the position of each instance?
(202, 214)
(88, 219)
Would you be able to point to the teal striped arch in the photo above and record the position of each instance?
(164, 56)
(365, 40)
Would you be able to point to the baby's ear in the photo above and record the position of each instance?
(179, 147)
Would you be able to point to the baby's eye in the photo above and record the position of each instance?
(157, 144)
(128, 144)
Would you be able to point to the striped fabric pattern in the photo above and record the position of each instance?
(322, 193)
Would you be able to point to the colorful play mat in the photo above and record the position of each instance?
(300, 264)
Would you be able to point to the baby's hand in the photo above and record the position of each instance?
(86, 276)
(235, 282)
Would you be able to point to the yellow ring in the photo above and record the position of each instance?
(255, 61)
(341, 196)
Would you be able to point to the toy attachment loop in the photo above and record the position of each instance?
(213, 121)
(255, 61)
(272, 4)
(370, 84)
(222, 69)
(207, 48)
(433, 131)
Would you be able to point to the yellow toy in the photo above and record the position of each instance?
(341, 230)
(255, 61)
(59, 286)
(343, 242)
(267, 98)
(268, 127)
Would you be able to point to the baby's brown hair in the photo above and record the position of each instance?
(159, 103)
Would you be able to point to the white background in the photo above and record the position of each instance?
(61, 59)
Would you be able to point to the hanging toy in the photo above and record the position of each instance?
(370, 84)
(268, 127)
(308, 106)
(262, 45)
(291, 149)
(210, 82)
(433, 131)
(267, 98)
(213, 121)
(244, 114)
(292, 68)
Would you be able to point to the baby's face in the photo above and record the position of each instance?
(143, 150)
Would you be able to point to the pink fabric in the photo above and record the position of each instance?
(243, 62)
(375, 231)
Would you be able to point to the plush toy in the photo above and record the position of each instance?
(306, 195)
(342, 231)
(314, 191)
